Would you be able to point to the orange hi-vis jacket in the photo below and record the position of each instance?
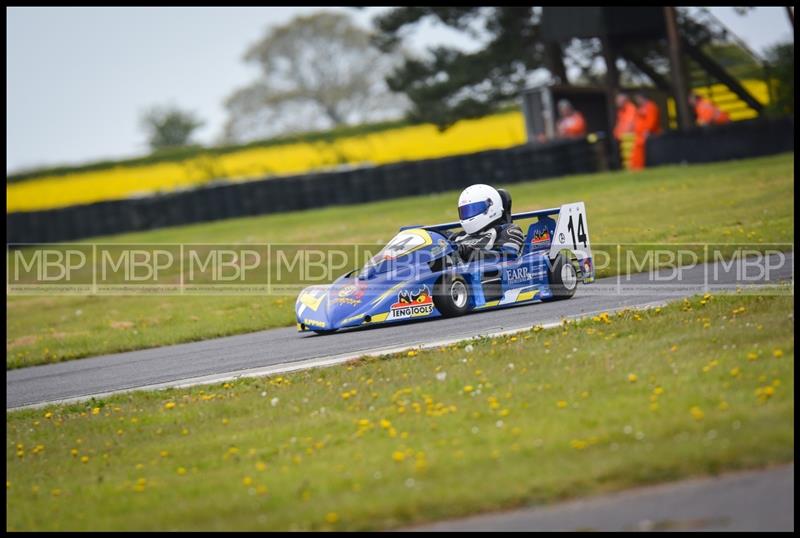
(572, 126)
(648, 121)
(626, 119)
(708, 114)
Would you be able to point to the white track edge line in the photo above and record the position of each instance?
(323, 362)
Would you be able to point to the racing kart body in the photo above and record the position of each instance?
(419, 275)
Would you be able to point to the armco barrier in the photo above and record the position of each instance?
(350, 186)
(737, 140)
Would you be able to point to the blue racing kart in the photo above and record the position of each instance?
(419, 275)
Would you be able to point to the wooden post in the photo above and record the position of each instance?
(680, 89)
(612, 87)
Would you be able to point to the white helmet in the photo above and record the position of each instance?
(479, 206)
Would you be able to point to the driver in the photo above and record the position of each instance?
(486, 228)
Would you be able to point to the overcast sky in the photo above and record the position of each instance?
(78, 79)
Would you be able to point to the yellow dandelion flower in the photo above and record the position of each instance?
(48, 415)
(169, 405)
(181, 471)
(412, 353)
(331, 517)
(632, 378)
(55, 492)
(84, 459)
(164, 453)
(723, 405)
(751, 356)
(504, 413)
(95, 410)
(246, 481)
(736, 372)
(697, 413)
(398, 456)
(385, 424)
(261, 489)
(468, 389)
(561, 404)
(777, 353)
(578, 444)
(261, 466)
(658, 391)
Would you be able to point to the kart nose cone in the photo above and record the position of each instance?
(345, 301)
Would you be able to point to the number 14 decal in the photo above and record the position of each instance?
(581, 231)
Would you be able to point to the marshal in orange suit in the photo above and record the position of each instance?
(648, 122)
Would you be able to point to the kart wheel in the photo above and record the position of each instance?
(451, 296)
(563, 278)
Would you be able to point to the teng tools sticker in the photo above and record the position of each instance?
(412, 304)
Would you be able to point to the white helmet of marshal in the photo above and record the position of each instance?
(479, 206)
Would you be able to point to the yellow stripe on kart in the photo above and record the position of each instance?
(385, 294)
(526, 296)
(311, 301)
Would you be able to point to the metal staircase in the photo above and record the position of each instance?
(738, 88)
(742, 97)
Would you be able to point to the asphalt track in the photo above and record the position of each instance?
(742, 501)
(284, 349)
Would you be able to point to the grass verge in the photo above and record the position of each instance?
(734, 202)
(697, 387)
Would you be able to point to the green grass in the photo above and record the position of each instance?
(534, 418)
(747, 201)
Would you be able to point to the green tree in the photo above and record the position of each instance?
(317, 72)
(781, 60)
(452, 84)
(169, 127)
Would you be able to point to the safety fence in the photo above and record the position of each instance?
(272, 195)
(738, 140)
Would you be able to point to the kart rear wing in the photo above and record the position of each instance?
(514, 216)
(571, 232)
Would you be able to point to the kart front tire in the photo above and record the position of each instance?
(563, 277)
(451, 296)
